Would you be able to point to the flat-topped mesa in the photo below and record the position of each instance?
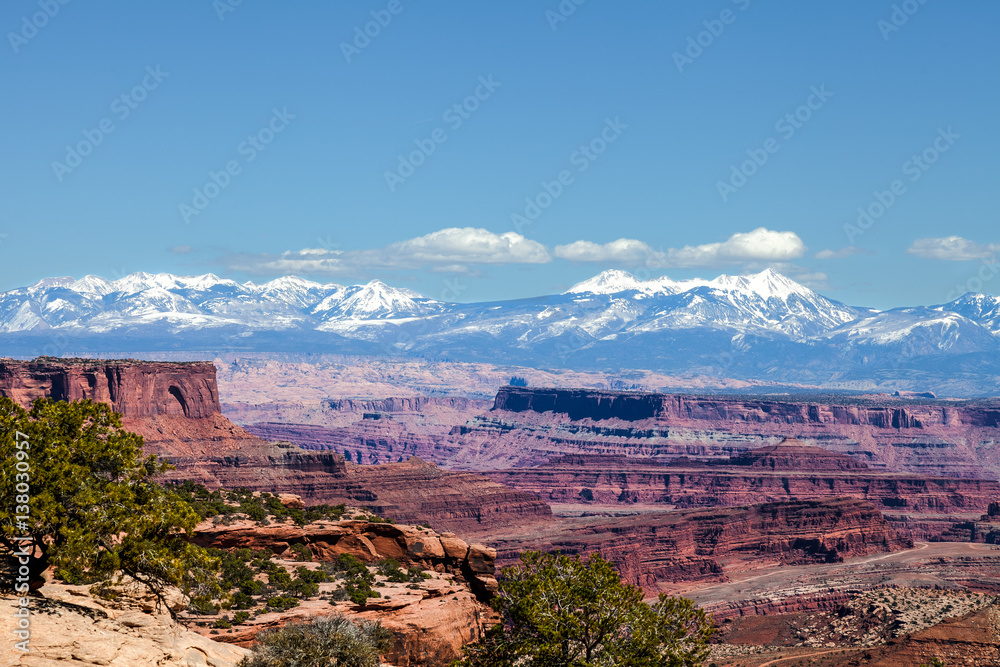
(580, 403)
(887, 412)
(793, 454)
(135, 389)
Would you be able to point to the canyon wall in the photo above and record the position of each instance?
(703, 545)
(134, 389)
(175, 407)
(633, 406)
(769, 474)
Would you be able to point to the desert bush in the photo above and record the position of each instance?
(330, 640)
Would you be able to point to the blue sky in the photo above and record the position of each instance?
(643, 124)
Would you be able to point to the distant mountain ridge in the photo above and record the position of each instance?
(763, 327)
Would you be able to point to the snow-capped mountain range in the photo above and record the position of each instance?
(762, 327)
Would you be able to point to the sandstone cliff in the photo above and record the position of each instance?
(702, 545)
(954, 438)
(634, 406)
(788, 471)
(175, 407)
(133, 388)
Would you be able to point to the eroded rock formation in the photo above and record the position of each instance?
(133, 388)
(702, 545)
(70, 627)
(790, 470)
(415, 546)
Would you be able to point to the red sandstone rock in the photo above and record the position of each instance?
(773, 473)
(369, 541)
(696, 545)
(132, 388)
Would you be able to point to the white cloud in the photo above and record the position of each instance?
(623, 251)
(759, 245)
(842, 252)
(453, 248)
(951, 248)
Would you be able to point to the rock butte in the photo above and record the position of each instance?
(175, 407)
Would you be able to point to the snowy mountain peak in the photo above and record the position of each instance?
(768, 284)
(295, 283)
(94, 285)
(607, 282)
(49, 283)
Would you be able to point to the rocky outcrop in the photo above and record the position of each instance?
(411, 546)
(69, 627)
(790, 470)
(702, 545)
(970, 640)
(430, 619)
(133, 388)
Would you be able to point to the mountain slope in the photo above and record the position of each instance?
(762, 327)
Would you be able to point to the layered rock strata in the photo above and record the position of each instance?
(703, 545)
(790, 470)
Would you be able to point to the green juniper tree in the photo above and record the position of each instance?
(94, 509)
(559, 611)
